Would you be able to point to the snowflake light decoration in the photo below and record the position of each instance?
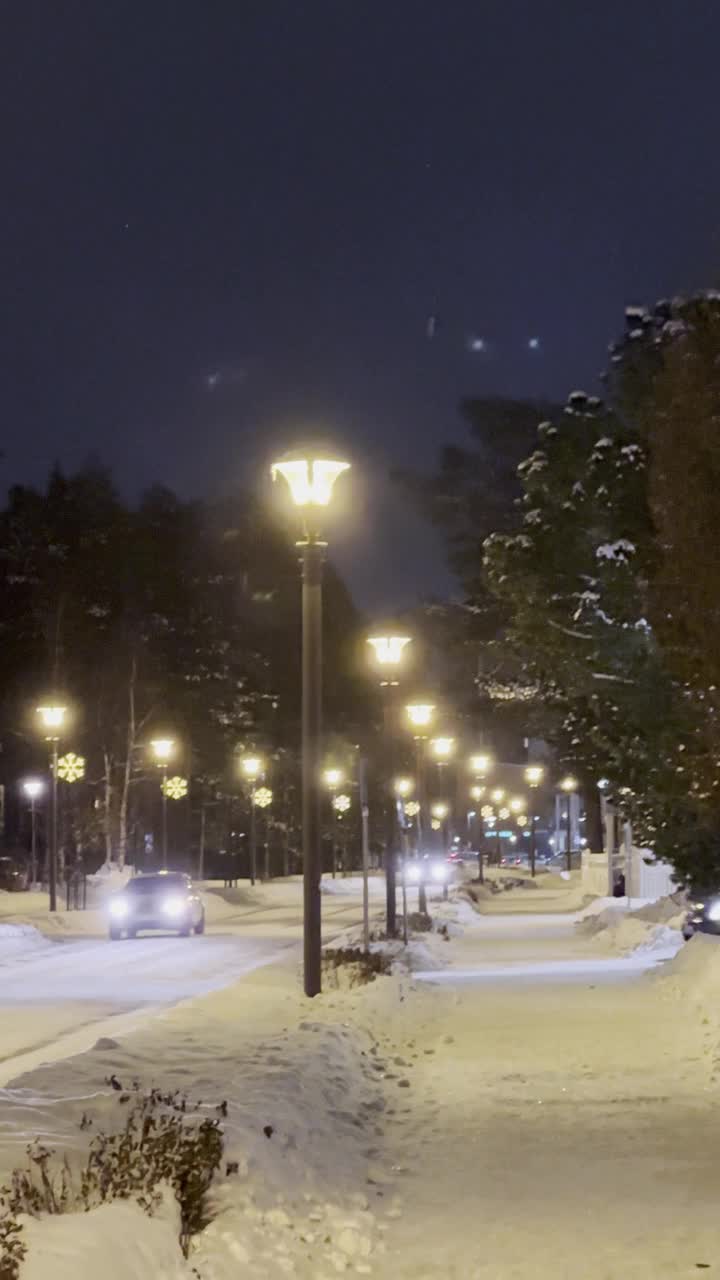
(175, 788)
(71, 768)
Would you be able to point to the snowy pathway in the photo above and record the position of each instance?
(554, 1130)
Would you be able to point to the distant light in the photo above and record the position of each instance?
(251, 766)
(333, 778)
(412, 808)
(440, 811)
(162, 749)
(443, 747)
(33, 788)
(534, 343)
(569, 783)
(534, 774)
(480, 764)
(603, 783)
(477, 344)
(404, 787)
(420, 714)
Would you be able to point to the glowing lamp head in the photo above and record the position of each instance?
(251, 767)
(534, 775)
(33, 788)
(333, 778)
(477, 793)
(420, 714)
(497, 795)
(52, 719)
(517, 804)
(310, 480)
(163, 749)
(404, 787)
(569, 784)
(388, 650)
(440, 812)
(480, 764)
(442, 748)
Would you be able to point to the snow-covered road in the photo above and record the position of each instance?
(57, 997)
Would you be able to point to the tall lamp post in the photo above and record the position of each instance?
(333, 778)
(33, 788)
(533, 776)
(420, 716)
(388, 651)
(569, 786)
(310, 479)
(480, 765)
(52, 720)
(163, 750)
(252, 769)
(262, 799)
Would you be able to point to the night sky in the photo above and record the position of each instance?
(221, 220)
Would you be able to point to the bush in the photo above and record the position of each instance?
(359, 966)
(162, 1141)
(419, 922)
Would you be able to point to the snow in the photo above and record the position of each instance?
(541, 1106)
(618, 550)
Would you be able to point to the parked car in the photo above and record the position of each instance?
(166, 900)
(13, 876)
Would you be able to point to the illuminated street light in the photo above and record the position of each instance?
(389, 649)
(480, 764)
(71, 768)
(534, 775)
(333, 778)
(252, 767)
(442, 749)
(404, 787)
(497, 796)
(420, 714)
(440, 811)
(163, 750)
(52, 720)
(477, 793)
(174, 788)
(33, 789)
(310, 478)
(569, 786)
(517, 804)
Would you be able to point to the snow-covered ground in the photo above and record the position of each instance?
(506, 1127)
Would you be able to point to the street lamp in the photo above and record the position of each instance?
(497, 796)
(163, 750)
(569, 785)
(263, 800)
(252, 769)
(404, 787)
(310, 479)
(534, 774)
(388, 651)
(33, 788)
(333, 778)
(52, 719)
(442, 749)
(480, 764)
(517, 804)
(388, 647)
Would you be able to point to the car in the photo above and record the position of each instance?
(703, 916)
(166, 900)
(13, 877)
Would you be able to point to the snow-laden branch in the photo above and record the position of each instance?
(568, 631)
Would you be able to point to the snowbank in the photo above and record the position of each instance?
(116, 1241)
(16, 939)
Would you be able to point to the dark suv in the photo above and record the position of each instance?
(164, 901)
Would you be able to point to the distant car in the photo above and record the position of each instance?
(13, 877)
(164, 901)
(703, 916)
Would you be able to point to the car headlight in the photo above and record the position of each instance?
(714, 910)
(438, 871)
(698, 906)
(413, 872)
(174, 906)
(119, 908)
